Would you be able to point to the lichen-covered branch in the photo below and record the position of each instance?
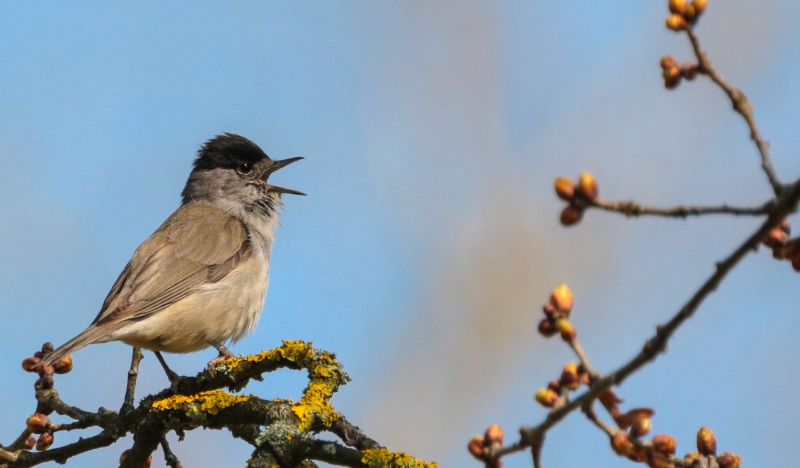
(282, 431)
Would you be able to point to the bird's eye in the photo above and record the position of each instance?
(245, 168)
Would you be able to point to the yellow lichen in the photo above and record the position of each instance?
(291, 350)
(315, 404)
(382, 458)
(207, 402)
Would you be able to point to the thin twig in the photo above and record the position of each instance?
(169, 457)
(741, 105)
(785, 204)
(633, 209)
(587, 366)
(588, 410)
(133, 373)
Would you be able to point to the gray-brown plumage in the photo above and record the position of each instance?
(201, 278)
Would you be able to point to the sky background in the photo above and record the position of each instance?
(432, 132)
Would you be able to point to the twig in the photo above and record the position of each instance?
(133, 373)
(634, 209)
(588, 410)
(741, 105)
(169, 457)
(786, 203)
(587, 366)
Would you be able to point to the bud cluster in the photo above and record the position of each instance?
(578, 195)
(481, 446)
(673, 71)
(40, 424)
(684, 13)
(572, 376)
(46, 371)
(782, 247)
(556, 315)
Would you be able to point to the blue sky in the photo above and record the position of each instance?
(429, 239)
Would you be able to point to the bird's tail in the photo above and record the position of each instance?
(86, 337)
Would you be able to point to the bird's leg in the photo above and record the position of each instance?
(174, 379)
(224, 355)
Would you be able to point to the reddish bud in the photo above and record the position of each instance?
(63, 365)
(729, 460)
(676, 22)
(546, 397)
(475, 447)
(641, 427)
(561, 299)
(638, 455)
(549, 310)
(37, 423)
(706, 441)
(565, 188)
(547, 328)
(44, 442)
(38, 354)
(47, 347)
(776, 237)
(587, 186)
(570, 377)
(621, 444)
(791, 249)
(29, 364)
(677, 6)
(554, 385)
(672, 77)
(609, 399)
(668, 62)
(571, 215)
(566, 329)
(665, 444)
(493, 435)
(30, 443)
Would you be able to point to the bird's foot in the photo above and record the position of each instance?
(224, 355)
(175, 380)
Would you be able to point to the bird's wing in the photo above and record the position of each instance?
(197, 245)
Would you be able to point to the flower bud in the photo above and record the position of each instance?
(566, 329)
(475, 447)
(676, 22)
(549, 310)
(641, 427)
(44, 442)
(29, 364)
(37, 423)
(776, 237)
(570, 377)
(699, 7)
(565, 188)
(493, 435)
(706, 441)
(638, 455)
(546, 397)
(571, 215)
(561, 299)
(63, 365)
(665, 444)
(609, 399)
(547, 328)
(147, 462)
(668, 62)
(47, 347)
(621, 444)
(677, 6)
(554, 385)
(691, 14)
(30, 443)
(587, 186)
(791, 249)
(672, 77)
(729, 460)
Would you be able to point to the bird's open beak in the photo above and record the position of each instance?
(274, 167)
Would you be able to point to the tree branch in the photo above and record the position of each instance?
(633, 209)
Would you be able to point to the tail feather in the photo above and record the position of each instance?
(86, 337)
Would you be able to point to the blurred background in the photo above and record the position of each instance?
(432, 133)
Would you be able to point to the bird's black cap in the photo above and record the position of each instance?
(228, 151)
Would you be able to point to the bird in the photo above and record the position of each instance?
(200, 280)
